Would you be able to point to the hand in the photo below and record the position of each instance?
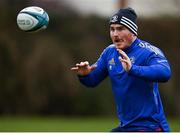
(83, 68)
(126, 62)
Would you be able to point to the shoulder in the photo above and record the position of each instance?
(109, 49)
(149, 48)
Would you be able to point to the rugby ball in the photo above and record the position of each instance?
(32, 19)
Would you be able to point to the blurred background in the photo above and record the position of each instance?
(38, 92)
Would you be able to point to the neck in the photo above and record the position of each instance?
(131, 43)
(133, 39)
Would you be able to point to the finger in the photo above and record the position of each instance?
(81, 64)
(123, 60)
(120, 57)
(74, 68)
(123, 54)
(86, 63)
(77, 64)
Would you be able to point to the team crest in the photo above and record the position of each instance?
(114, 19)
(132, 59)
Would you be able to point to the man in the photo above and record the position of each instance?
(135, 67)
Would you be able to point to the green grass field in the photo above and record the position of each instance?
(52, 124)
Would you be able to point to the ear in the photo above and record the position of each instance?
(131, 35)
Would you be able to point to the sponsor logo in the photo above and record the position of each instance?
(111, 62)
(132, 59)
(142, 45)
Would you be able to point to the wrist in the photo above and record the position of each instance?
(82, 75)
(131, 69)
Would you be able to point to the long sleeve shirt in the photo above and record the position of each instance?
(136, 92)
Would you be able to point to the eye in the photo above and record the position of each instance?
(112, 28)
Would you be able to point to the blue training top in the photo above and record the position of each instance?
(136, 93)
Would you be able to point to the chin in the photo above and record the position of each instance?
(119, 46)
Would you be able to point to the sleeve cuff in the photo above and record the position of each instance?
(133, 70)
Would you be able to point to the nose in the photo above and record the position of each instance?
(115, 33)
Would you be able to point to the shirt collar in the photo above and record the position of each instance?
(136, 41)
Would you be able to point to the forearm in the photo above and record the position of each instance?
(94, 78)
(87, 80)
(155, 73)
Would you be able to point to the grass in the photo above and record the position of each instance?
(52, 124)
(55, 124)
(174, 124)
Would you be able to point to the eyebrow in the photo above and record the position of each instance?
(119, 26)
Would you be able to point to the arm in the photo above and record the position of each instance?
(94, 78)
(92, 75)
(157, 69)
(156, 72)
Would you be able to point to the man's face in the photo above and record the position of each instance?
(121, 36)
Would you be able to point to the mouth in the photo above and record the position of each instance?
(117, 40)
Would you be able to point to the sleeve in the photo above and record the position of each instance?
(97, 75)
(157, 69)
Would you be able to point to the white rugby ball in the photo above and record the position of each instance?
(33, 18)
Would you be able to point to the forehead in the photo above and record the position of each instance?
(117, 26)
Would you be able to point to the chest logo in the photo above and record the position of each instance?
(111, 62)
